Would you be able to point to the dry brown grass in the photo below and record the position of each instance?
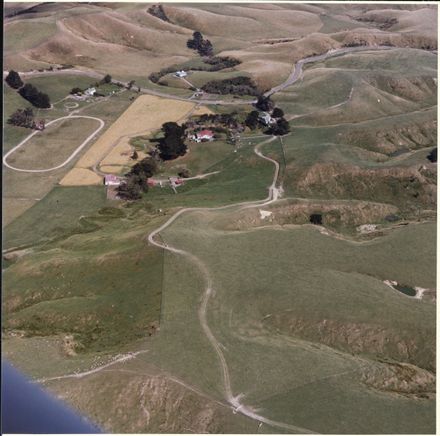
(81, 177)
(116, 39)
(244, 22)
(146, 114)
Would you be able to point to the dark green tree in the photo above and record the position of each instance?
(107, 79)
(278, 113)
(13, 80)
(203, 46)
(22, 118)
(130, 189)
(145, 168)
(316, 218)
(171, 147)
(252, 120)
(264, 103)
(432, 156)
(281, 127)
(171, 128)
(35, 97)
(184, 173)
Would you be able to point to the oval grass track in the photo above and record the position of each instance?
(75, 152)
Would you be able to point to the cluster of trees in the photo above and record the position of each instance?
(226, 119)
(158, 12)
(136, 179)
(264, 103)
(172, 145)
(28, 91)
(22, 118)
(214, 63)
(13, 79)
(383, 24)
(432, 156)
(241, 85)
(107, 79)
(360, 43)
(279, 128)
(219, 63)
(203, 46)
(251, 120)
(169, 147)
(35, 97)
(155, 77)
(76, 90)
(316, 218)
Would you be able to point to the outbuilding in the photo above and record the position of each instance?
(205, 135)
(90, 92)
(181, 73)
(265, 118)
(112, 180)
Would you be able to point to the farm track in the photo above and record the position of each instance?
(119, 359)
(233, 400)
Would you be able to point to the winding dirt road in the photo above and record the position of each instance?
(233, 400)
(298, 67)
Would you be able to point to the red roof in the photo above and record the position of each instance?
(206, 133)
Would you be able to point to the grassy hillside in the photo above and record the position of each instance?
(110, 293)
(276, 288)
(311, 334)
(266, 38)
(66, 206)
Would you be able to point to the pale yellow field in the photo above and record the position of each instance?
(80, 177)
(119, 155)
(146, 114)
(112, 169)
(202, 110)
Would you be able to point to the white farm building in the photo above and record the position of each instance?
(181, 73)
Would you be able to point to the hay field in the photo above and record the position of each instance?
(146, 114)
(81, 177)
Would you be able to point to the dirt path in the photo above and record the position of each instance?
(233, 400)
(120, 359)
(298, 67)
(76, 151)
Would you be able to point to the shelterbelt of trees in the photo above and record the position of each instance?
(27, 91)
